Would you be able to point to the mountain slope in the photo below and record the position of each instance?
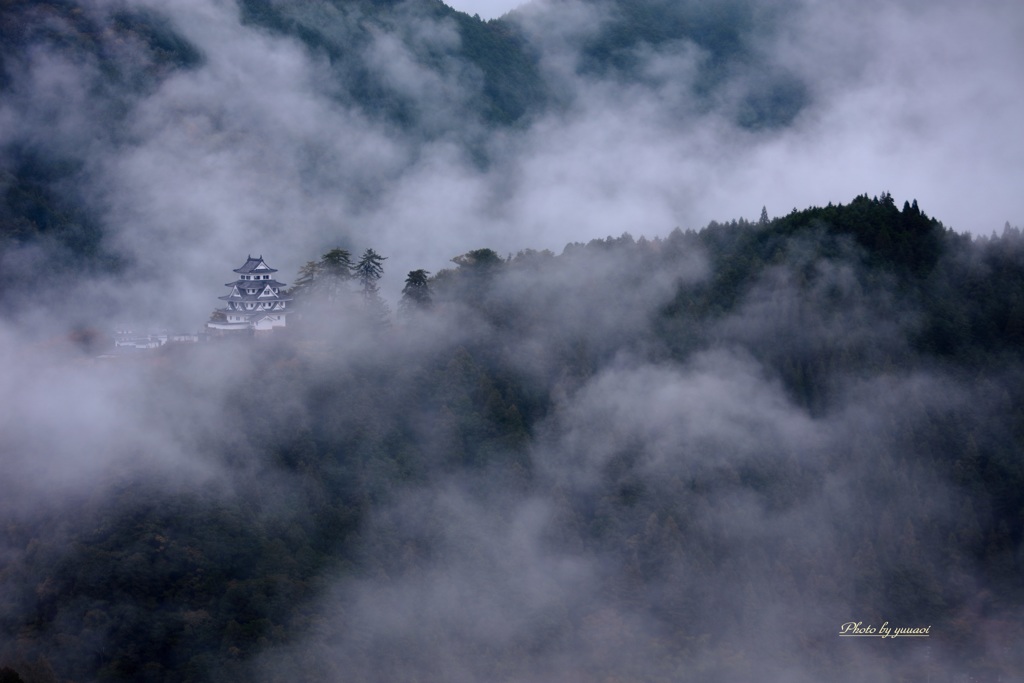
(626, 458)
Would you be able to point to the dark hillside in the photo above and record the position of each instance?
(124, 55)
(685, 457)
(490, 59)
(730, 37)
(637, 446)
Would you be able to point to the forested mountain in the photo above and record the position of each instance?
(491, 59)
(127, 53)
(685, 458)
(80, 78)
(692, 455)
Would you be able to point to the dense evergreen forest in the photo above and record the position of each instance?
(684, 458)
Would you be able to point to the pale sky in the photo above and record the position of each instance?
(487, 9)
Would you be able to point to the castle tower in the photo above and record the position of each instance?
(256, 302)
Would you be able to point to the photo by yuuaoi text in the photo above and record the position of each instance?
(858, 629)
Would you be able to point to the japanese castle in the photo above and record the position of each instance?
(256, 301)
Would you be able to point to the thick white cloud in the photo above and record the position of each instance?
(253, 152)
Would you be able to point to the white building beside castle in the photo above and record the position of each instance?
(257, 301)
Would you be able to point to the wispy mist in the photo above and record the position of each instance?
(258, 147)
(656, 456)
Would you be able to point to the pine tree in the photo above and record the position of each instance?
(308, 279)
(335, 271)
(416, 293)
(368, 272)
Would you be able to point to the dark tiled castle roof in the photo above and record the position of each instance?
(255, 265)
